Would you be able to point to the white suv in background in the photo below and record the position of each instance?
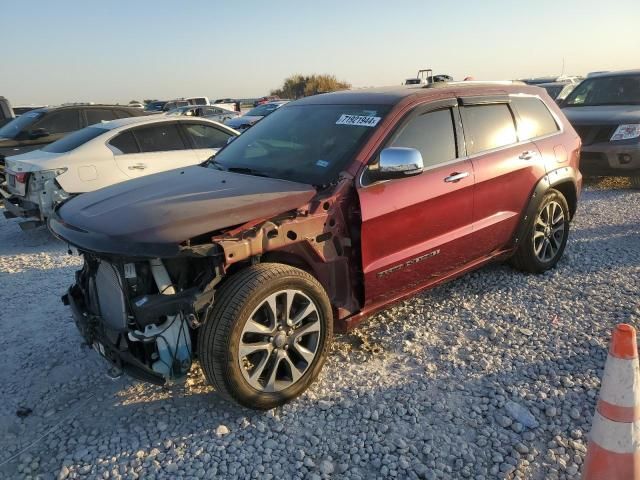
(104, 154)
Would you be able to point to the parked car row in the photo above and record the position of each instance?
(605, 111)
(102, 155)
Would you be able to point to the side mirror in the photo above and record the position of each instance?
(38, 133)
(398, 162)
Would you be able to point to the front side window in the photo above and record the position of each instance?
(62, 121)
(534, 118)
(614, 90)
(74, 140)
(159, 138)
(99, 115)
(487, 127)
(205, 136)
(310, 144)
(124, 143)
(431, 133)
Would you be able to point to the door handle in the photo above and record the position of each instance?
(137, 166)
(456, 177)
(528, 155)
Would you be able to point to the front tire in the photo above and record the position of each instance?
(268, 335)
(546, 235)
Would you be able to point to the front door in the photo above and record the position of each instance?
(417, 229)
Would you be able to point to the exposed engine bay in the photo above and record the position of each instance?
(141, 315)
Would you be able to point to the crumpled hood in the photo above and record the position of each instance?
(36, 161)
(603, 115)
(174, 206)
(244, 120)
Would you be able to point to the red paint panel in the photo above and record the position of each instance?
(505, 180)
(420, 227)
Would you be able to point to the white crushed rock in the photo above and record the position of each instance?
(449, 384)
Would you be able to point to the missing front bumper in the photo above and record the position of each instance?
(92, 329)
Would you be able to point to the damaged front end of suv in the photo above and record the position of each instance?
(143, 294)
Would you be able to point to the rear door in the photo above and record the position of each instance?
(158, 147)
(506, 170)
(417, 229)
(537, 124)
(205, 139)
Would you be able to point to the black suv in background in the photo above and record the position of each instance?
(37, 128)
(605, 111)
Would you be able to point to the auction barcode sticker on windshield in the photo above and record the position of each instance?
(358, 120)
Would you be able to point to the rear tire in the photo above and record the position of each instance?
(635, 182)
(545, 237)
(268, 335)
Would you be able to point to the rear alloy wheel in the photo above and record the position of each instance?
(268, 335)
(546, 235)
(549, 232)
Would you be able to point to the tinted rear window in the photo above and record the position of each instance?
(74, 140)
(487, 127)
(125, 143)
(534, 118)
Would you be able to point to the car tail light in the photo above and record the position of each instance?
(21, 177)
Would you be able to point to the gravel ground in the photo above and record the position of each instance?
(494, 375)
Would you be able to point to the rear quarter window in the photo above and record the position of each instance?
(487, 127)
(124, 143)
(534, 118)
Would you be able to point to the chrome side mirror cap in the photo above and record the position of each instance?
(399, 162)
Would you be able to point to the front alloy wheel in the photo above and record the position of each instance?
(279, 341)
(268, 335)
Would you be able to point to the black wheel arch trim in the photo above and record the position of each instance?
(552, 179)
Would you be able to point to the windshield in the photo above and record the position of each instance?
(262, 110)
(74, 140)
(17, 125)
(614, 90)
(308, 143)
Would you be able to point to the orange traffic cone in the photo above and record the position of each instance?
(614, 442)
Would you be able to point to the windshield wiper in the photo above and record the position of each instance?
(214, 163)
(248, 171)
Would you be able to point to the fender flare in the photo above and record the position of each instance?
(551, 179)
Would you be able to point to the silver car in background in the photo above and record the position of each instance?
(210, 112)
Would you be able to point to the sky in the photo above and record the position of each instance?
(117, 51)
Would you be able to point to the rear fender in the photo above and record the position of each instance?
(557, 177)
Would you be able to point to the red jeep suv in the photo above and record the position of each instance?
(330, 209)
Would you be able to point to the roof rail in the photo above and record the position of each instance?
(474, 82)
